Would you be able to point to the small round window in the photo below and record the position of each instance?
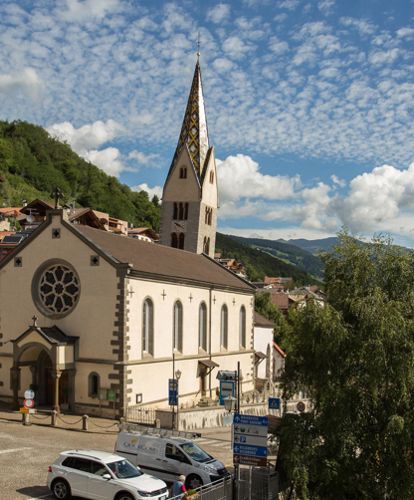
(57, 289)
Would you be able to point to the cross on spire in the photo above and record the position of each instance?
(57, 194)
(198, 46)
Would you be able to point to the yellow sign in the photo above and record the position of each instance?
(24, 410)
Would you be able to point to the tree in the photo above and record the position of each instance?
(355, 359)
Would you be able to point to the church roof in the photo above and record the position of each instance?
(162, 261)
(194, 133)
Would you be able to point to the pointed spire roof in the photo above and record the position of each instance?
(194, 133)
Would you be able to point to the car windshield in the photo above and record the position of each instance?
(124, 469)
(195, 452)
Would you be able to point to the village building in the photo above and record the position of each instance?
(97, 322)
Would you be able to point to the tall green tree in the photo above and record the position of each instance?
(355, 359)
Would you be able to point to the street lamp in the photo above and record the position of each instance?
(230, 403)
(178, 376)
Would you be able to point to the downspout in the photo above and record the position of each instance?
(209, 337)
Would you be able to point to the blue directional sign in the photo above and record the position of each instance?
(254, 451)
(250, 439)
(173, 392)
(250, 420)
(274, 403)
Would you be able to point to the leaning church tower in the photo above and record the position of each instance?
(190, 195)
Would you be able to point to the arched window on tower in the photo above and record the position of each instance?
(181, 241)
(183, 173)
(224, 327)
(174, 240)
(210, 214)
(181, 212)
(148, 327)
(175, 212)
(202, 327)
(242, 327)
(206, 245)
(185, 211)
(211, 177)
(178, 327)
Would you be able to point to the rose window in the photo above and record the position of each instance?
(58, 289)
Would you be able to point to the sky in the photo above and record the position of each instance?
(310, 103)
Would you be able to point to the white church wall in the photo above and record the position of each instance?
(263, 338)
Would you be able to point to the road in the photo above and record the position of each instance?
(27, 451)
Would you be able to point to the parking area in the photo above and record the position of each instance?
(27, 451)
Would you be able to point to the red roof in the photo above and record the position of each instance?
(279, 350)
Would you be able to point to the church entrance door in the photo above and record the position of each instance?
(45, 380)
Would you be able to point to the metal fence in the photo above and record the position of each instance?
(141, 415)
(258, 483)
(219, 490)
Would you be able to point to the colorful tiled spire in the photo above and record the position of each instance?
(194, 132)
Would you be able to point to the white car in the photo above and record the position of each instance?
(101, 475)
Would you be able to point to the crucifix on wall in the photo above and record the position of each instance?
(163, 295)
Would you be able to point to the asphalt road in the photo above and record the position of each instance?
(27, 451)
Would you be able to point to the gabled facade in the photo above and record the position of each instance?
(190, 196)
(88, 318)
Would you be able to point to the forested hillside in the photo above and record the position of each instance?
(292, 254)
(32, 164)
(259, 263)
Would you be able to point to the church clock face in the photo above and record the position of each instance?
(56, 289)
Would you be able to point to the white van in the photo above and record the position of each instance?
(169, 457)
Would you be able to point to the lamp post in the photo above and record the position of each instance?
(178, 376)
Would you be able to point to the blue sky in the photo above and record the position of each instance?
(310, 103)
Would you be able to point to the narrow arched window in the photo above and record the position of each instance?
(181, 212)
(224, 327)
(185, 211)
(175, 212)
(181, 241)
(242, 326)
(206, 245)
(183, 172)
(210, 216)
(211, 177)
(93, 385)
(202, 327)
(148, 327)
(174, 240)
(178, 327)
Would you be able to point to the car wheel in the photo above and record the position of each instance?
(61, 489)
(193, 481)
(124, 496)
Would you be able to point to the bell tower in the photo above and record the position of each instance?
(190, 195)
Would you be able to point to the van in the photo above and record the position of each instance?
(169, 457)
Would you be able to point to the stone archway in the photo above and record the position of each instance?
(48, 354)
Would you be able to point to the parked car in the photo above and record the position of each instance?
(169, 457)
(101, 475)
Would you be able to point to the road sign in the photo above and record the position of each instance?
(173, 392)
(227, 388)
(24, 410)
(274, 403)
(29, 394)
(28, 403)
(301, 406)
(245, 460)
(249, 439)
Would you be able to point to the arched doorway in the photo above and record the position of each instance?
(44, 384)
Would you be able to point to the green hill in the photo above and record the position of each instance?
(291, 254)
(32, 164)
(260, 263)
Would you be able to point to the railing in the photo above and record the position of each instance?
(258, 483)
(219, 490)
(141, 415)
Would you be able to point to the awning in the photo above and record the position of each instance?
(205, 366)
(259, 357)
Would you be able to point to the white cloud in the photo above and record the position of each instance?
(235, 47)
(288, 4)
(363, 26)
(285, 233)
(218, 13)
(108, 159)
(85, 10)
(26, 81)
(88, 136)
(142, 158)
(152, 191)
(251, 183)
(337, 181)
(405, 33)
(326, 6)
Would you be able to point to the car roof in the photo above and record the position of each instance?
(174, 439)
(104, 456)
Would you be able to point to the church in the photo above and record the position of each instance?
(97, 323)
